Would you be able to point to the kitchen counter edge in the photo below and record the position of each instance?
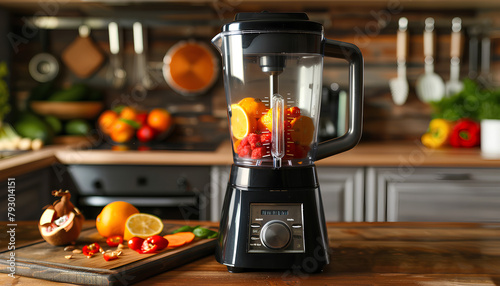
(365, 154)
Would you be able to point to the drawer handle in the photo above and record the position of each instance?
(455, 177)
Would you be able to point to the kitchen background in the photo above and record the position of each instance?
(371, 25)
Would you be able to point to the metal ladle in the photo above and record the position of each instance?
(116, 74)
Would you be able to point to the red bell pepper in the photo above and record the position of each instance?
(465, 133)
(91, 249)
(114, 240)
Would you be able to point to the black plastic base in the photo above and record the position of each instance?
(232, 247)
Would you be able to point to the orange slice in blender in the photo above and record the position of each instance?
(254, 107)
(302, 130)
(266, 121)
(241, 123)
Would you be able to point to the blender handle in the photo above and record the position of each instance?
(353, 55)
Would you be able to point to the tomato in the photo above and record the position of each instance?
(141, 118)
(114, 240)
(145, 133)
(135, 243)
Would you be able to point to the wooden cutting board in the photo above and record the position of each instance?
(44, 261)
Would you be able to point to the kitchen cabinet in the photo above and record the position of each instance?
(433, 194)
(342, 192)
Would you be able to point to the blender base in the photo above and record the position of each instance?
(273, 219)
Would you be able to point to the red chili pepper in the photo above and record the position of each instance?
(147, 248)
(110, 255)
(91, 249)
(465, 133)
(135, 243)
(158, 240)
(153, 244)
(114, 240)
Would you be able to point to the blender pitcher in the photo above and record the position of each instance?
(273, 65)
(272, 216)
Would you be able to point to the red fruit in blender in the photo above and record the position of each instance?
(301, 151)
(265, 138)
(292, 112)
(254, 140)
(258, 152)
(245, 151)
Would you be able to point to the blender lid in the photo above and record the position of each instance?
(272, 22)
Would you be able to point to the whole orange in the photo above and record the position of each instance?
(159, 119)
(128, 112)
(111, 220)
(106, 120)
(121, 131)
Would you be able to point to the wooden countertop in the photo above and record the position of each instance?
(365, 154)
(361, 254)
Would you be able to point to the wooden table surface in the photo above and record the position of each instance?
(361, 254)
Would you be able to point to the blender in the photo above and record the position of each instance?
(272, 215)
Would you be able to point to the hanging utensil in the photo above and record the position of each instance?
(430, 86)
(43, 67)
(473, 52)
(454, 85)
(83, 57)
(142, 80)
(484, 77)
(116, 74)
(399, 85)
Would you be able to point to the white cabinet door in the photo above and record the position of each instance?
(342, 193)
(434, 194)
(219, 178)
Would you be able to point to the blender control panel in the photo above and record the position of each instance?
(276, 227)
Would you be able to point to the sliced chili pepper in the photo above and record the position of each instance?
(114, 240)
(91, 249)
(158, 240)
(110, 255)
(147, 248)
(135, 243)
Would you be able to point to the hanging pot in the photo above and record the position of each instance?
(190, 67)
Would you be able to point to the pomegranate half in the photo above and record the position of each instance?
(61, 223)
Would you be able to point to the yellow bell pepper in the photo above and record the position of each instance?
(438, 134)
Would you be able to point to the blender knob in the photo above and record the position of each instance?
(275, 234)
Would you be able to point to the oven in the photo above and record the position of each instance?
(169, 192)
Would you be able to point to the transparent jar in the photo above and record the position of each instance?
(273, 65)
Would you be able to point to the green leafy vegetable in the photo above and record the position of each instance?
(472, 102)
(4, 91)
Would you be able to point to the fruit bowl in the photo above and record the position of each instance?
(68, 110)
